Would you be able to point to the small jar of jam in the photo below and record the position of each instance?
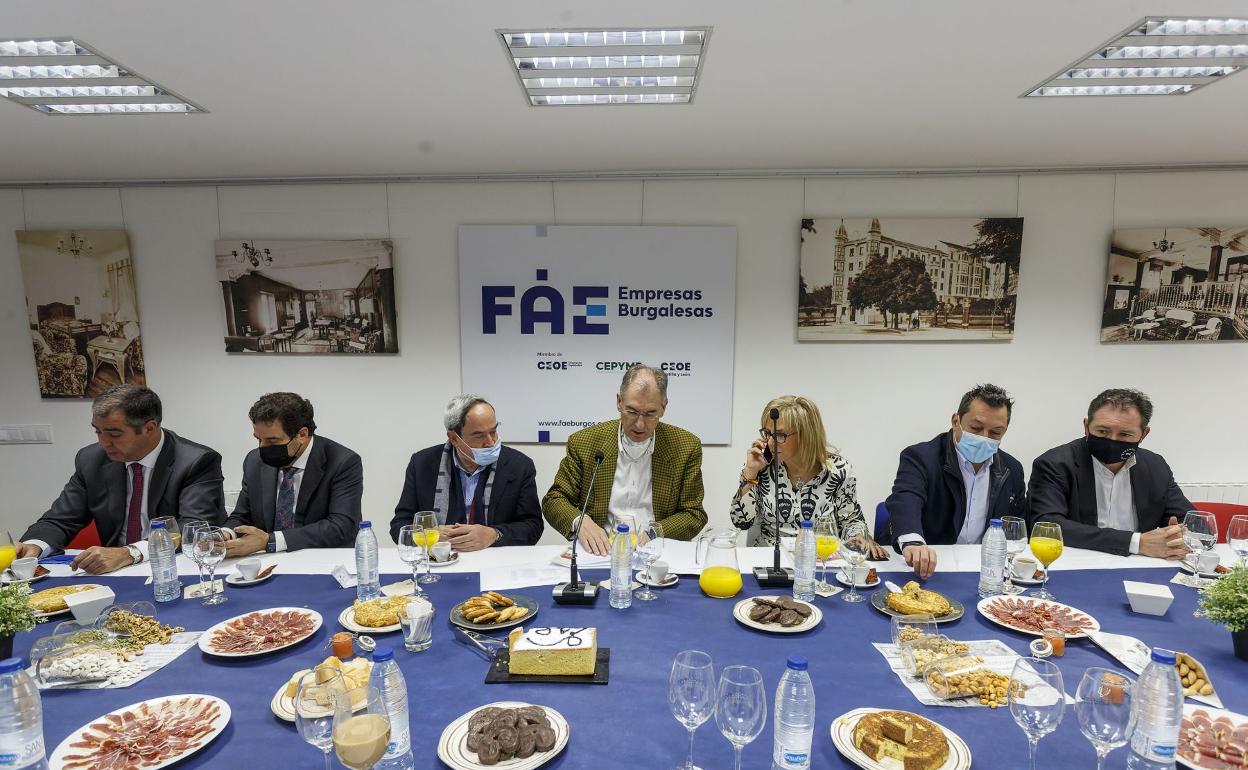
(1057, 639)
(343, 645)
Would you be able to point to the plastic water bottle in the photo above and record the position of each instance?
(622, 569)
(165, 583)
(992, 555)
(21, 719)
(388, 680)
(368, 584)
(1157, 700)
(804, 579)
(795, 718)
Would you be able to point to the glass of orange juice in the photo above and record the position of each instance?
(1046, 545)
(827, 543)
(7, 551)
(429, 521)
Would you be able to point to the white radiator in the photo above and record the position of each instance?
(1216, 492)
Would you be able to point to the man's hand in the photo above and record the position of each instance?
(98, 560)
(26, 550)
(469, 537)
(921, 558)
(593, 538)
(1164, 542)
(247, 540)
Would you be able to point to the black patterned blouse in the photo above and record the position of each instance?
(832, 491)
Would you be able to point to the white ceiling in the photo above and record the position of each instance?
(299, 88)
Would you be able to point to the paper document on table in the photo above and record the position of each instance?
(1135, 655)
(1191, 581)
(584, 560)
(154, 658)
(996, 655)
(506, 578)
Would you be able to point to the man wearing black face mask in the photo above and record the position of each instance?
(299, 490)
(1106, 492)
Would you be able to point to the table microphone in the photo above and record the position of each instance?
(576, 591)
(775, 575)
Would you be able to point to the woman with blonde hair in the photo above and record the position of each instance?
(814, 480)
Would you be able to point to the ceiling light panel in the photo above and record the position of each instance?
(1157, 56)
(607, 66)
(64, 76)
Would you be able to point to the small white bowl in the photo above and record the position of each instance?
(1148, 598)
(87, 605)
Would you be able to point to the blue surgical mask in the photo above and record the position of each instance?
(487, 455)
(976, 448)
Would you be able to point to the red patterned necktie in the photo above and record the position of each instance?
(134, 517)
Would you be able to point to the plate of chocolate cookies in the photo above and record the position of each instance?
(777, 614)
(506, 734)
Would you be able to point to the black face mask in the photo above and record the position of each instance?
(1109, 451)
(277, 455)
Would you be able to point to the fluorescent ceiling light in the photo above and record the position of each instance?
(607, 66)
(1156, 56)
(64, 76)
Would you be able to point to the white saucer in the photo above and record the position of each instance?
(1026, 581)
(671, 580)
(843, 579)
(1189, 569)
(8, 578)
(236, 579)
(453, 560)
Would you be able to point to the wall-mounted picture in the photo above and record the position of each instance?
(1177, 284)
(308, 296)
(908, 279)
(82, 309)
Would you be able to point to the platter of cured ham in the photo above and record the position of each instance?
(1031, 616)
(149, 735)
(260, 632)
(1212, 739)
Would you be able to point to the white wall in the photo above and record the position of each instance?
(876, 398)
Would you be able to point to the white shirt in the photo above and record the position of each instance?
(1115, 506)
(301, 462)
(632, 496)
(976, 483)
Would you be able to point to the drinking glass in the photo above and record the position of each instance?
(412, 551)
(1015, 543)
(1103, 708)
(7, 550)
(1200, 532)
(649, 549)
(1237, 537)
(1046, 546)
(428, 520)
(1037, 699)
(171, 526)
(691, 694)
(741, 710)
(209, 552)
(314, 708)
(189, 533)
(361, 727)
(854, 549)
(827, 542)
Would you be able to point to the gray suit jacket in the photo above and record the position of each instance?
(327, 513)
(186, 483)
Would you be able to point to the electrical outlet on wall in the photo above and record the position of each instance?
(25, 434)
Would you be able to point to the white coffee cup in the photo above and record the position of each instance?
(249, 568)
(441, 550)
(657, 572)
(1025, 567)
(25, 568)
(1207, 561)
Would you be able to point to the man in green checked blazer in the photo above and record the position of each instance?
(650, 470)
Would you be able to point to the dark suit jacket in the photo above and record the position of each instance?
(327, 513)
(929, 496)
(186, 483)
(1063, 489)
(513, 510)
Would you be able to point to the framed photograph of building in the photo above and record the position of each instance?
(908, 279)
(1177, 284)
(82, 309)
(295, 296)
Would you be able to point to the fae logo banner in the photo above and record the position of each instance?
(552, 316)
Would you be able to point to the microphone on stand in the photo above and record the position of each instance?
(775, 575)
(575, 591)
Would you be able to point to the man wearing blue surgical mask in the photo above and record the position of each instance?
(482, 493)
(948, 488)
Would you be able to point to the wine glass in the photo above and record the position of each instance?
(827, 542)
(412, 551)
(1015, 530)
(1103, 707)
(649, 549)
(741, 710)
(209, 552)
(691, 694)
(171, 526)
(314, 708)
(1200, 532)
(854, 549)
(189, 533)
(1237, 537)
(1046, 545)
(1037, 699)
(428, 520)
(360, 737)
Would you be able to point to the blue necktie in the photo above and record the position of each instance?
(285, 515)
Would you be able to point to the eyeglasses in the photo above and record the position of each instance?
(780, 437)
(633, 414)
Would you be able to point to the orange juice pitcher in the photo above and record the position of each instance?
(716, 552)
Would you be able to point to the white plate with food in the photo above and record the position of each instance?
(150, 734)
(8, 577)
(346, 619)
(1208, 732)
(644, 578)
(1187, 567)
(862, 576)
(376, 612)
(1029, 615)
(449, 562)
(958, 755)
(453, 745)
(750, 612)
(260, 632)
(237, 579)
(53, 599)
(354, 672)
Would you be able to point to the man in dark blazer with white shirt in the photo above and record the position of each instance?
(136, 471)
(300, 489)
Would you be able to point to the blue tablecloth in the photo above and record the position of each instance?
(627, 723)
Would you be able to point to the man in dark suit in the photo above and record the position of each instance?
(300, 489)
(948, 488)
(135, 472)
(482, 492)
(1106, 492)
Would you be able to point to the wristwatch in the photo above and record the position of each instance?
(136, 556)
(271, 546)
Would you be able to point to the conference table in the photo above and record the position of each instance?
(627, 723)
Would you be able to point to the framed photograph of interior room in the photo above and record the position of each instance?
(1177, 284)
(908, 279)
(82, 309)
(308, 296)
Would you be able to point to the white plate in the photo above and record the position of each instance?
(206, 637)
(671, 580)
(1096, 626)
(346, 619)
(1026, 581)
(453, 751)
(1237, 719)
(453, 560)
(843, 738)
(54, 613)
(8, 578)
(741, 611)
(1184, 566)
(56, 760)
(843, 579)
(235, 579)
(284, 707)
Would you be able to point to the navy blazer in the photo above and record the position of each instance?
(514, 509)
(929, 496)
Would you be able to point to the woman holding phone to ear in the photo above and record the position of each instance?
(814, 479)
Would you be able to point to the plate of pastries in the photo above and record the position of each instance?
(913, 599)
(506, 734)
(490, 611)
(881, 739)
